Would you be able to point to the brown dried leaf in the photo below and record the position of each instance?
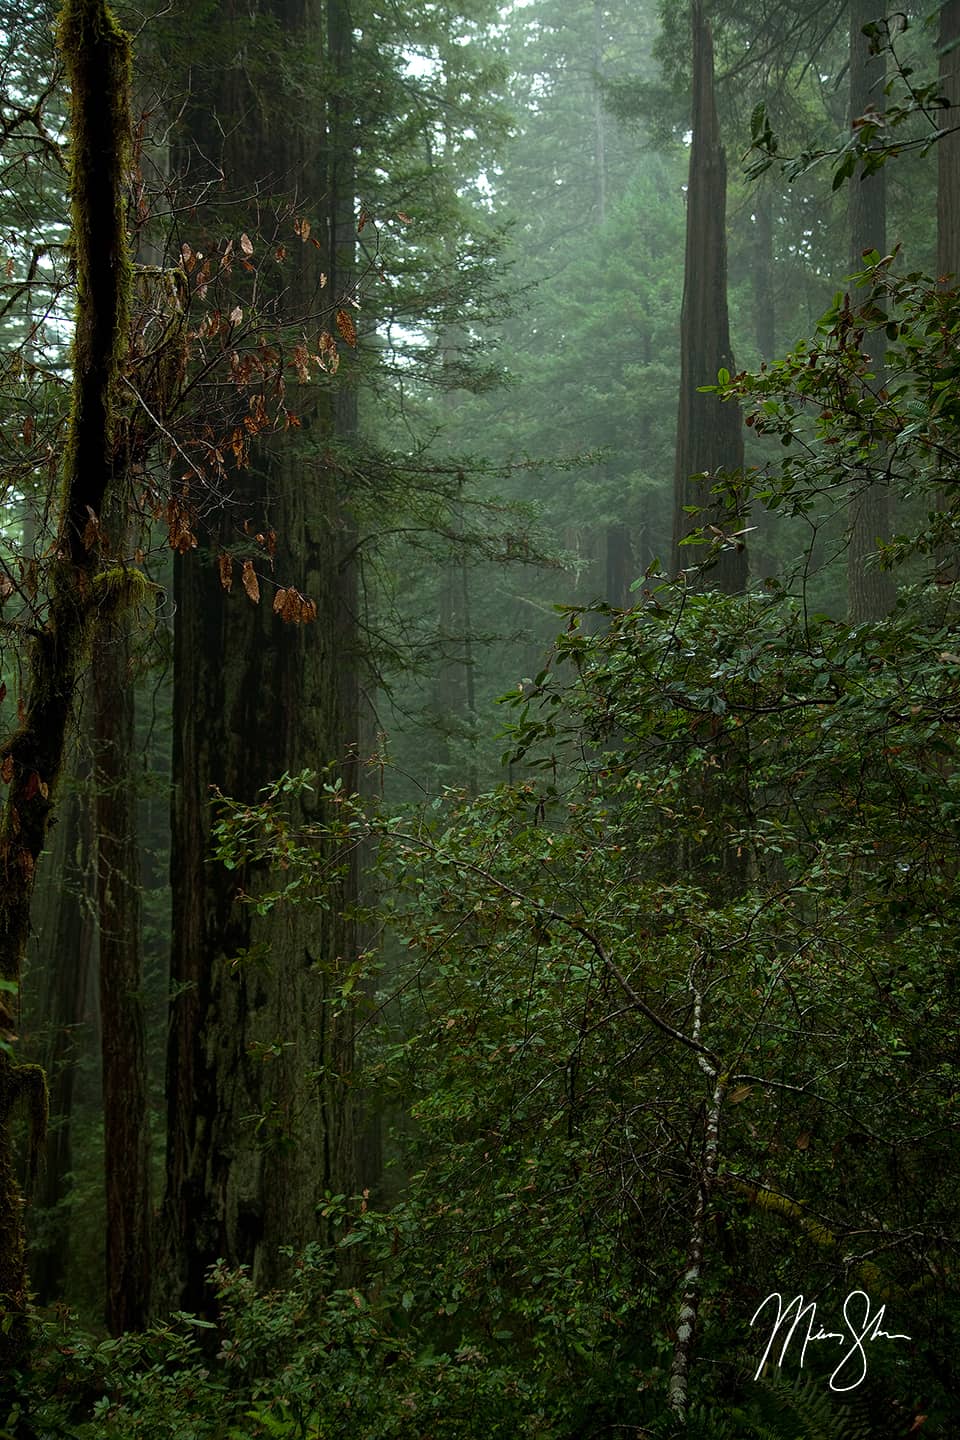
(246, 244)
(294, 608)
(346, 327)
(7, 588)
(328, 357)
(300, 362)
(236, 315)
(301, 227)
(250, 582)
(6, 769)
(28, 430)
(182, 537)
(225, 563)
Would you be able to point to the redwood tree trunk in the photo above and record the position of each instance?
(709, 434)
(260, 1121)
(68, 946)
(123, 1039)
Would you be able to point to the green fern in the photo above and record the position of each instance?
(793, 1411)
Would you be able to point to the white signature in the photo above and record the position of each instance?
(860, 1328)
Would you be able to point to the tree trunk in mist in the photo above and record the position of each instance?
(126, 1133)
(709, 434)
(763, 559)
(599, 116)
(764, 294)
(870, 592)
(620, 567)
(948, 149)
(260, 1109)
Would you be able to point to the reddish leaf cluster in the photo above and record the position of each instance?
(294, 608)
(179, 521)
(346, 327)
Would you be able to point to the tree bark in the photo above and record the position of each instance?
(260, 1110)
(97, 55)
(870, 591)
(68, 946)
(709, 434)
(122, 1028)
(948, 149)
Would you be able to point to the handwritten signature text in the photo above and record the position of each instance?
(862, 1326)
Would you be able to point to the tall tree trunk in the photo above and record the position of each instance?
(68, 950)
(764, 294)
(763, 559)
(260, 1121)
(948, 150)
(870, 591)
(620, 565)
(709, 435)
(97, 55)
(599, 117)
(122, 1029)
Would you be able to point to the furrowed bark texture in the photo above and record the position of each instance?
(66, 947)
(123, 1031)
(260, 1120)
(97, 56)
(709, 435)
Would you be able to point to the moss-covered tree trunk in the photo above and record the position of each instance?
(709, 435)
(97, 56)
(870, 591)
(258, 1081)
